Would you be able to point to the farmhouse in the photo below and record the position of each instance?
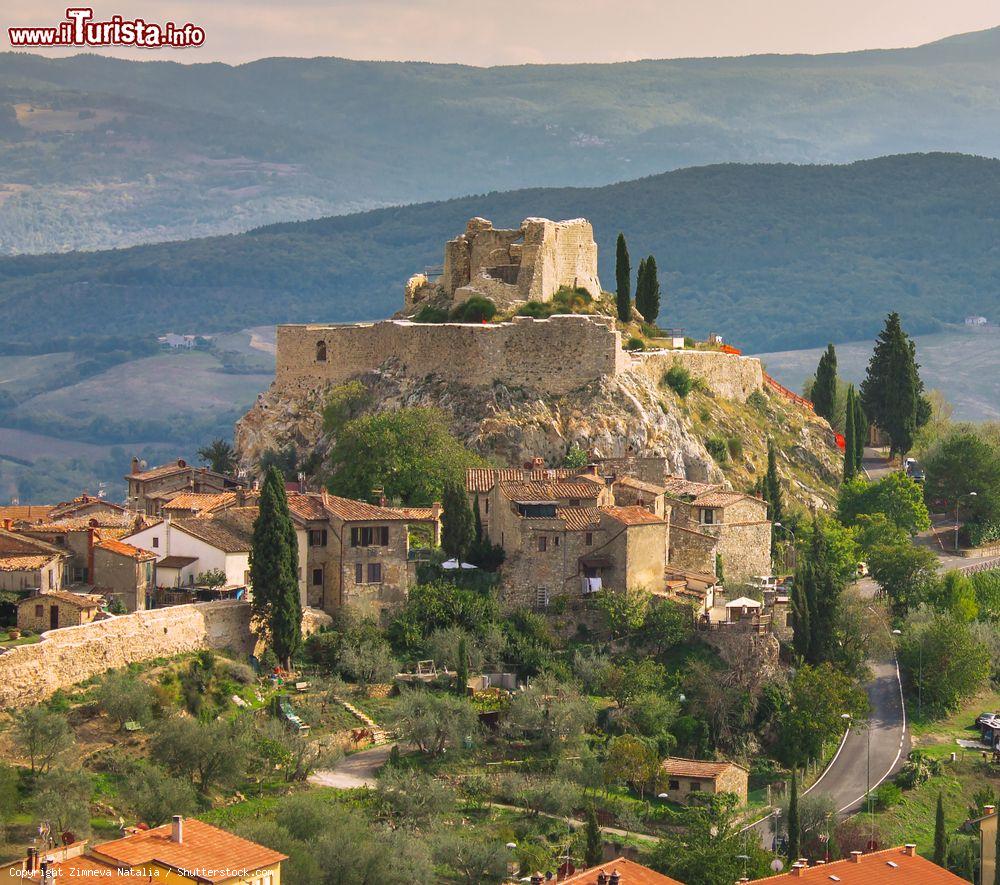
(52, 609)
(684, 777)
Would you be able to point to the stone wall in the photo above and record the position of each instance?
(31, 673)
(727, 375)
(692, 551)
(554, 355)
(745, 549)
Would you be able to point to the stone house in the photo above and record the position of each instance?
(737, 521)
(85, 506)
(123, 572)
(29, 563)
(52, 609)
(150, 488)
(684, 777)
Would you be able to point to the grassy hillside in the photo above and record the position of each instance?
(99, 152)
(771, 256)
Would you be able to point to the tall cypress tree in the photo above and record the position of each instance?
(824, 389)
(940, 834)
(794, 827)
(462, 668)
(647, 290)
(892, 392)
(860, 433)
(623, 280)
(594, 853)
(772, 484)
(457, 529)
(274, 569)
(850, 448)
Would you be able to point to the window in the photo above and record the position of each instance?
(707, 516)
(588, 538)
(487, 506)
(156, 541)
(695, 787)
(543, 543)
(317, 537)
(557, 540)
(39, 611)
(317, 577)
(374, 572)
(789, 619)
(320, 351)
(359, 573)
(370, 536)
(674, 785)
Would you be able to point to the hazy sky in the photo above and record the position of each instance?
(486, 33)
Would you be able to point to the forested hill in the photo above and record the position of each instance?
(771, 256)
(98, 152)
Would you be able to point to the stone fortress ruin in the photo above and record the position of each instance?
(554, 356)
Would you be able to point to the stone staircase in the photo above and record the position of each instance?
(379, 735)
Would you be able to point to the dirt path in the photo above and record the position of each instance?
(356, 770)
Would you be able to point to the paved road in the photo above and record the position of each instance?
(356, 770)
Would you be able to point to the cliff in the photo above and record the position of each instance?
(610, 416)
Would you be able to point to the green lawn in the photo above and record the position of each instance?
(7, 642)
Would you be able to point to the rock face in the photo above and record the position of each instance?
(613, 416)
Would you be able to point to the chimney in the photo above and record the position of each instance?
(8, 524)
(602, 878)
(537, 879)
(615, 878)
(44, 871)
(177, 829)
(135, 464)
(989, 810)
(32, 861)
(181, 462)
(910, 850)
(855, 857)
(798, 869)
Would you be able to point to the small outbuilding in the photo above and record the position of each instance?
(57, 608)
(683, 778)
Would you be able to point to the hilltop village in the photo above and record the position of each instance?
(516, 585)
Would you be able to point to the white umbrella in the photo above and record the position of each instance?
(454, 564)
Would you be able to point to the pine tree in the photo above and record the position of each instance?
(772, 484)
(860, 433)
(594, 853)
(850, 449)
(623, 279)
(647, 290)
(462, 668)
(940, 835)
(824, 389)
(274, 568)
(457, 530)
(892, 392)
(794, 827)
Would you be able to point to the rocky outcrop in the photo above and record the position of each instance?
(613, 416)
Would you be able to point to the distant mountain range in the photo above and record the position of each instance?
(98, 152)
(773, 257)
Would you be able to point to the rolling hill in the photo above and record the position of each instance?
(771, 256)
(98, 152)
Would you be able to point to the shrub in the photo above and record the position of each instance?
(476, 310)
(984, 532)
(717, 448)
(757, 400)
(430, 314)
(635, 344)
(887, 796)
(534, 309)
(735, 447)
(678, 379)
(571, 299)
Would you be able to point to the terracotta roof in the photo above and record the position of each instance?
(65, 508)
(219, 533)
(631, 873)
(200, 502)
(207, 852)
(893, 865)
(419, 514)
(122, 549)
(547, 489)
(579, 518)
(25, 512)
(308, 506)
(64, 525)
(82, 867)
(177, 562)
(17, 544)
(177, 466)
(723, 498)
(360, 511)
(24, 563)
(482, 479)
(633, 515)
(679, 487)
(695, 767)
(639, 484)
(80, 600)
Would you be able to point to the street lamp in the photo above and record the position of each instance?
(958, 501)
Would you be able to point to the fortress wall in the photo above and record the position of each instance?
(727, 375)
(61, 658)
(555, 355)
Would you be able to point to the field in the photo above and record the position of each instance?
(961, 362)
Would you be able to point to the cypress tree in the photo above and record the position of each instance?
(860, 433)
(940, 836)
(457, 530)
(892, 392)
(274, 569)
(623, 279)
(462, 668)
(850, 448)
(794, 827)
(594, 853)
(772, 484)
(647, 290)
(824, 389)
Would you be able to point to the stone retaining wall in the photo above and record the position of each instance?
(727, 375)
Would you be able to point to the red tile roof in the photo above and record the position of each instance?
(122, 549)
(206, 851)
(25, 512)
(633, 515)
(631, 873)
(889, 867)
(482, 479)
(579, 518)
(80, 600)
(681, 767)
(200, 502)
(642, 486)
(548, 489)
(16, 544)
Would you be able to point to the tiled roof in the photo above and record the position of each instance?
(633, 515)
(25, 512)
(579, 518)
(723, 498)
(205, 851)
(306, 506)
(122, 549)
(65, 508)
(700, 577)
(80, 600)
(222, 535)
(639, 484)
(482, 479)
(419, 514)
(200, 502)
(177, 466)
(694, 767)
(16, 544)
(177, 562)
(888, 867)
(360, 511)
(547, 489)
(24, 563)
(631, 873)
(66, 524)
(81, 867)
(679, 487)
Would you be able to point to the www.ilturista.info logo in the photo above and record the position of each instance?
(79, 29)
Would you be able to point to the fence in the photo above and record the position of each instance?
(788, 394)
